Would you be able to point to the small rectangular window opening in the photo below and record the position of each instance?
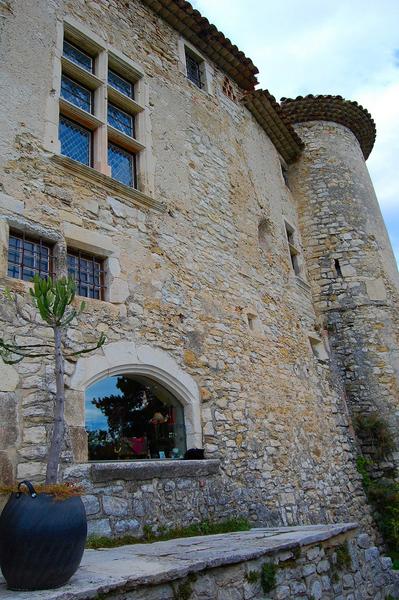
(294, 253)
(284, 172)
(28, 257)
(318, 348)
(194, 68)
(337, 267)
(251, 321)
(88, 273)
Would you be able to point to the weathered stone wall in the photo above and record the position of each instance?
(312, 577)
(336, 569)
(126, 498)
(185, 279)
(356, 297)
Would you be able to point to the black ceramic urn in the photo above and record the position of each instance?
(42, 539)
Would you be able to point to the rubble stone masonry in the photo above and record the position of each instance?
(202, 276)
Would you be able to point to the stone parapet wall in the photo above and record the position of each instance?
(124, 498)
(324, 562)
(314, 575)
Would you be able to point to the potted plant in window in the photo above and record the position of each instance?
(43, 530)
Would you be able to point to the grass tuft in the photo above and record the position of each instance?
(268, 577)
(196, 529)
(60, 491)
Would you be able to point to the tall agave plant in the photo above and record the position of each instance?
(53, 300)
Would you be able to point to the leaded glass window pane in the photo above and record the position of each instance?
(88, 274)
(120, 120)
(76, 94)
(193, 67)
(122, 165)
(120, 84)
(75, 141)
(27, 258)
(78, 57)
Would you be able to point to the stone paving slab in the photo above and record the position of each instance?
(129, 567)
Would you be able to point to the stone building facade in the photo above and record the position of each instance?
(246, 267)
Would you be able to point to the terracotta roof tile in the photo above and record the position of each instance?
(208, 39)
(269, 115)
(332, 108)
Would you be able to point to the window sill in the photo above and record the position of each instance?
(122, 191)
(139, 470)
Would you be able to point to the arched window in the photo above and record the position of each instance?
(132, 417)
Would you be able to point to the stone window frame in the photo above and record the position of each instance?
(294, 251)
(102, 247)
(74, 238)
(125, 357)
(30, 229)
(207, 74)
(318, 347)
(105, 56)
(36, 241)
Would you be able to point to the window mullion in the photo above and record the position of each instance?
(100, 138)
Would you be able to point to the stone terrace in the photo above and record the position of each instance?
(217, 567)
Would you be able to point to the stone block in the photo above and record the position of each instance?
(323, 566)
(8, 420)
(91, 503)
(316, 590)
(118, 290)
(115, 507)
(376, 289)
(7, 476)
(78, 437)
(363, 541)
(88, 240)
(126, 526)
(98, 527)
(9, 378)
(313, 553)
(371, 553)
(11, 204)
(35, 435)
(31, 470)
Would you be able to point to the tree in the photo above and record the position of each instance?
(53, 300)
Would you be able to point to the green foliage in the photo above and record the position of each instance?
(362, 464)
(53, 300)
(204, 528)
(268, 577)
(252, 576)
(344, 559)
(374, 432)
(394, 554)
(184, 589)
(52, 297)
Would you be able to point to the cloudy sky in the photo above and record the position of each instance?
(346, 47)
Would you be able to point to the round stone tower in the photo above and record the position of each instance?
(348, 254)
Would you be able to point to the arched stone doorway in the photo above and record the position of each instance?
(136, 362)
